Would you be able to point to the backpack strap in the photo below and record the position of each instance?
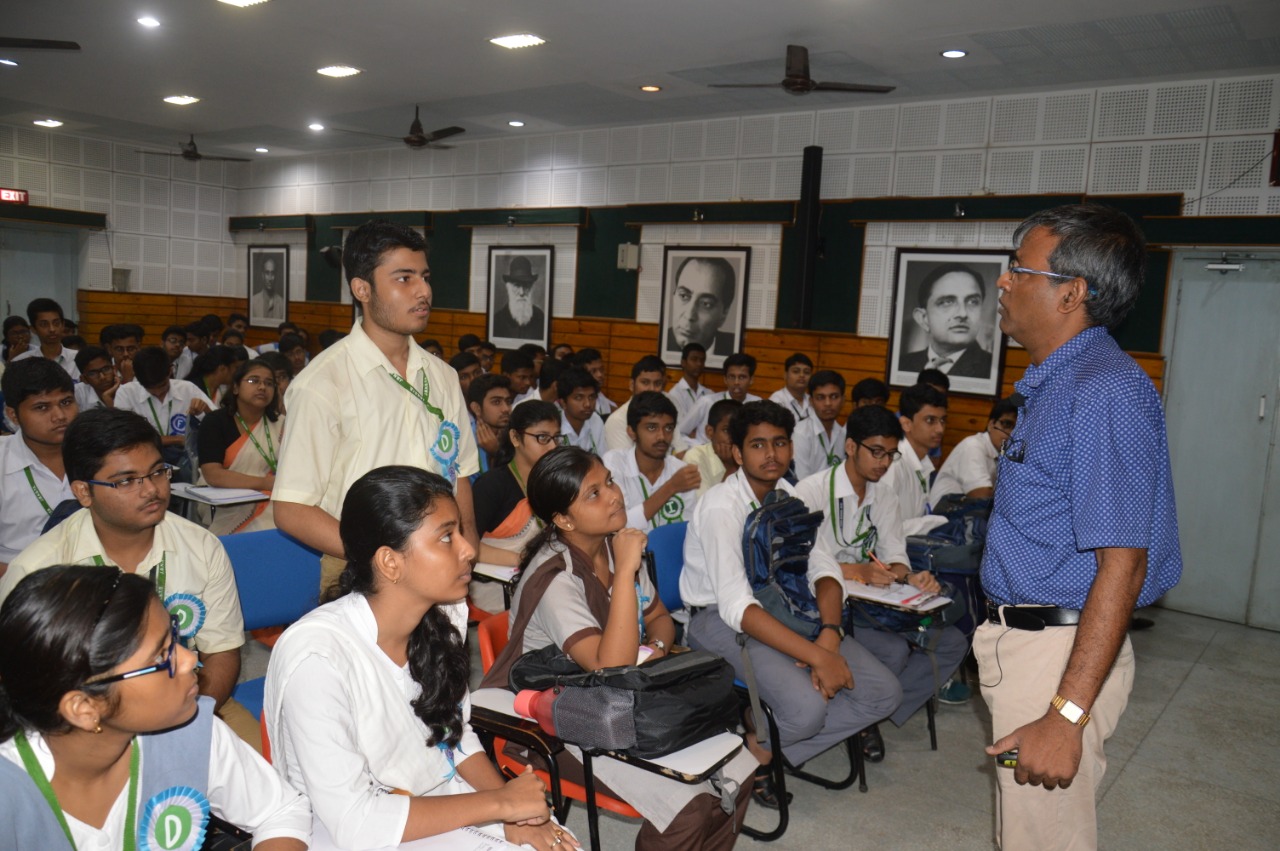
(530, 596)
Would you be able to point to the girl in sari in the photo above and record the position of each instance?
(238, 445)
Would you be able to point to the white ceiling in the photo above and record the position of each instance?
(254, 69)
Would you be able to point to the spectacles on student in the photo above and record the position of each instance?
(100, 372)
(163, 474)
(169, 664)
(543, 438)
(255, 380)
(879, 452)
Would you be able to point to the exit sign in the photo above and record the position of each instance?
(15, 196)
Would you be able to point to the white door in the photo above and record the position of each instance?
(36, 263)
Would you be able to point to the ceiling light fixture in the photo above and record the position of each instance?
(515, 123)
(181, 100)
(651, 88)
(338, 71)
(48, 122)
(316, 125)
(514, 42)
(148, 21)
(242, 3)
(9, 62)
(262, 150)
(954, 53)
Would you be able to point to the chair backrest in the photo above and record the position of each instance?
(667, 545)
(278, 578)
(492, 633)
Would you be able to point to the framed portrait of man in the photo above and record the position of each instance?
(944, 317)
(704, 293)
(520, 279)
(268, 285)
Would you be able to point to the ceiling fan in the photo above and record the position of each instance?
(798, 81)
(7, 43)
(417, 138)
(188, 151)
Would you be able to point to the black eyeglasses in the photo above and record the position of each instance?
(1014, 449)
(544, 439)
(168, 664)
(879, 452)
(163, 474)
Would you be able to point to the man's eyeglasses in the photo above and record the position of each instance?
(543, 439)
(169, 664)
(1015, 269)
(100, 372)
(879, 452)
(1014, 449)
(163, 474)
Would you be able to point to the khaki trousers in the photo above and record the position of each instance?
(242, 723)
(1020, 672)
(331, 568)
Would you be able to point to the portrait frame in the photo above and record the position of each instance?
(977, 367)
(724, 339)
(260, 316)
(503, 329)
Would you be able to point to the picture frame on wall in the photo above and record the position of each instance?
(268, 285)
(944, 316)
(520, 286)
(704, 296)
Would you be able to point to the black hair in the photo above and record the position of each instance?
(1002, 407)
(288, 326)
(798, 357)
(206, 363)
(72, 341)
(872, 421)
(741, 359)
(213, 322)
(481, 386)
(43, 305)
(585, 356)
(551, 369)
(150, 366)
(721, 271)
(462, 360)
(366, 245)
(278, 363)
(468, 341)
(870, 388)
(15, 322)
(89, 354)
(384, 508)
(232, 331)
(229, 399)
(647, 404)
(930, 280)
(573, 378)
(532, 350)
(721, 409)
(197, 329)
(120, 331)
(823, 377)
(1100, 244)
(648, 363)
(72, 622)
(690, 348)
(329, 336)
(934, 377)
(917, 396)
(512, 361)
(178, 330)
(486, 346)
(96, 433)
(428, 343)
(232, 317)
(555, 346)
(289, 342)
(523, 416)
(757, 413)
(553, 487)
(31, 377)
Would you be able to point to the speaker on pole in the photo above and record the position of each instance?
(808, 215)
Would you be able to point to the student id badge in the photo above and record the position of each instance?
(445, 451)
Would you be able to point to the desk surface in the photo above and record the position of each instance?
(463, 839)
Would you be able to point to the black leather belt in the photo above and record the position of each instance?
(693, 610)
(1034, 618)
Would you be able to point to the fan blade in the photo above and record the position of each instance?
(37, 44)
(853, 87)
(224, 159)
(444, 133)
(797, 61)
(743, 85)
(156, 153)
(363, 133)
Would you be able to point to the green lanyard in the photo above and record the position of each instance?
(832, 460)
(158, 572)
(424, 397)
(924, 486)
(31, 480)
(270, 455)
(661, 513)
(155, 417)
(32, 765)
(837, 518)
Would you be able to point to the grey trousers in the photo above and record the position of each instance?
(808, 724)
(914, 668)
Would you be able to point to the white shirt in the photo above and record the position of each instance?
(908, 478)
(801, 410)
(531, 393)
(686, 397)
(167, 415)
(86, 397)
(242, 789)
(872, 525)
(695, 427)
(714, 570)
(182, 366)
(591, 438)
(616, 437)
(636, 489)
(604, 406)
(971, 465)
(65, 359)
(814, 450)
(21, 514)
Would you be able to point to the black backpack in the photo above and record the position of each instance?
(776, 543)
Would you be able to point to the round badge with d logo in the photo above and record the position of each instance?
(174, 820)
(190, 612)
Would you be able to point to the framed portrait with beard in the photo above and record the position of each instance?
(520, 279)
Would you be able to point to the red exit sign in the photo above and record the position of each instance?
(15, 196)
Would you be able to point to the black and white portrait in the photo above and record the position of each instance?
(268, 285)
(944, 318)
(704, 293)
(520, 279)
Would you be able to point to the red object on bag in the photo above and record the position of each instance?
(537, 706)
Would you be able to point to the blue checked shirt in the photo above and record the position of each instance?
(1087, 467)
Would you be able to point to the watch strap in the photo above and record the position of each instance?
(839, 630)
(1073, 712)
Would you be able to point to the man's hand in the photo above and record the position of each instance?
(1048, 751)
(687, 478)
(868, 573)
(198, 407)
(486, 437)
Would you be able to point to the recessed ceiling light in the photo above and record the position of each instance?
(338, 71)
(316, 125)
(651, 88)
(9, 62)
(515, 123)
(512, 42)
(955, 54)
(148, 21)
(262, 150)
(242, 3)
(181, 100)
(48, 122)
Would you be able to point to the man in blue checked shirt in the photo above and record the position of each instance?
(1083, 527)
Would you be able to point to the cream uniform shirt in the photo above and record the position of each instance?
(347, 415)
(25, 503)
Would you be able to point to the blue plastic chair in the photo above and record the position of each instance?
(278, 580)
(667, 545)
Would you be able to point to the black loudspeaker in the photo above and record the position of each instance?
(808, 216)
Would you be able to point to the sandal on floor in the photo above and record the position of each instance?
(763, 790)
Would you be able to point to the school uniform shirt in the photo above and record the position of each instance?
(167, 415)
(65, 359)
(971, 465)
(591, 438)
(709, 465)
(714, 571)
(814, 449)
(531, 393)
(908, 478)
(182, 366)
(801, 410)
(616, 437)
(195, 566)
(854, 529)
(29, 491)
(86, 397)
(695, 428)
(347, 415)
(636, 489)
(685, 397)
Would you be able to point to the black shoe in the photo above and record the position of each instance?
(872, 743)
(763, 790)
(1138, 624)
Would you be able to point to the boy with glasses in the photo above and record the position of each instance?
(98, 381)
(970, 469)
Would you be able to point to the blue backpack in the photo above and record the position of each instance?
(776, 543)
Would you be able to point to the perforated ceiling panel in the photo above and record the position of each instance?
(758, 132)
(653, 184)
(872, 176)
(1061, 169)
(795, 131)
(919, 125)
(964, 123)
(624, 145)
(877, 128)
(835, 130)
(64, 149)
(1180, 110)
(961, 173)
(1230, 159)
(1122, 113)
(1067, 117)
(915, 174)
(1015, 119)
(1116, 168)
(755, 179)
(875, 292)
(1009, 171)
(686, 140)
(1174, 167)
(1244, 105)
